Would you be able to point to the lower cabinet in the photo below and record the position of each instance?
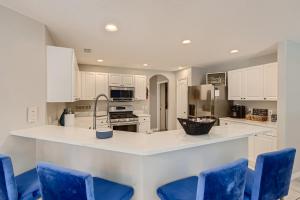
(87, 122)
(144, 124)
(257, 144)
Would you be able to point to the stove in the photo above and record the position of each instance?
(122, 118)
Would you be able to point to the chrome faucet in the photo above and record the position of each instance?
(95, 111)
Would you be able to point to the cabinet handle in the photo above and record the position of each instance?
(265, 98)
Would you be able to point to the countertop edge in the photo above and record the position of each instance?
(142, 152)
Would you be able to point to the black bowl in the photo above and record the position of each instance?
(197, 126)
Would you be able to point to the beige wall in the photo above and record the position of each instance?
(149, 73)
(22, 83)
(289, 97)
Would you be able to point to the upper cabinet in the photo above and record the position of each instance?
(253, 83)
(121, 80)
(235, 84)
(63, 75)
(88, 85)
(270, 81)
(93, 84)
(101, 83)
(140, 87)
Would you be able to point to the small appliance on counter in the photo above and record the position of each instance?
(274, 118)
(258, 115)
(238, 111)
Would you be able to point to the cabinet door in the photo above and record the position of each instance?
(76, 80)
(144, 127)
(254, 81)
(263, 144)
(140, 87)
(61, 78)
(235, 85)
(182, 92)
(270, 81)
(127, 80)
(115, 80)
(88, 85)
(101, 84)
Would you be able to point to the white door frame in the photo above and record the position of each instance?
(158, 104)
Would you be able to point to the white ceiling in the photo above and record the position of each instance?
(151, 31)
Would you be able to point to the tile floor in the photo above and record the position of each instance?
(294, 193)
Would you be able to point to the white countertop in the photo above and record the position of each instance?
(138, 143)
(267, 124)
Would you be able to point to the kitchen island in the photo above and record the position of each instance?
(141, 160)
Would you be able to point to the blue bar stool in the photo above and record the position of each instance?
(59, 183)
(272, 175)
(22, 187)
(223, 183)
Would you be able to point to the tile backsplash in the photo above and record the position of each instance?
(270, 105)
(86, 106)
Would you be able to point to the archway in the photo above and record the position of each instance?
(159, 98)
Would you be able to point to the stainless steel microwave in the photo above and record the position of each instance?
(121, 93)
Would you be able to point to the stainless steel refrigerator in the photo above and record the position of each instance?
(208, 100)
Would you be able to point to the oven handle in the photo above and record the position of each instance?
(124, 123)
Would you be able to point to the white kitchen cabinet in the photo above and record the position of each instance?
(182, 100)
(270, 81)
(257, 144)
(253, 83)
(263, 144)
(62, 75)
(88, 85)
(121, 80)
(87, 122)
(235, 78)
(144, 124)
(140, 87)
(127, 80)
(101, 83)
(115, 80)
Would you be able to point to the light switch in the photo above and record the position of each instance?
(32, 114)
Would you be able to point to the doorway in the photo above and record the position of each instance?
(162, 101)
(159, 97)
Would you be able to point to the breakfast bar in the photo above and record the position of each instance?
(144, 161)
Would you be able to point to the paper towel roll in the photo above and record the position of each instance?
(69, 120)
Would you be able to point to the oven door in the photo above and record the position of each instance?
(121, 93)
(130, 126)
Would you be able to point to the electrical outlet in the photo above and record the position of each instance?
(32, 114)
(270, 112)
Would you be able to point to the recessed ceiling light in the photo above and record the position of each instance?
(111, 28)
(186, 42)
(99, 60)
(234, 51)
(145, 65)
